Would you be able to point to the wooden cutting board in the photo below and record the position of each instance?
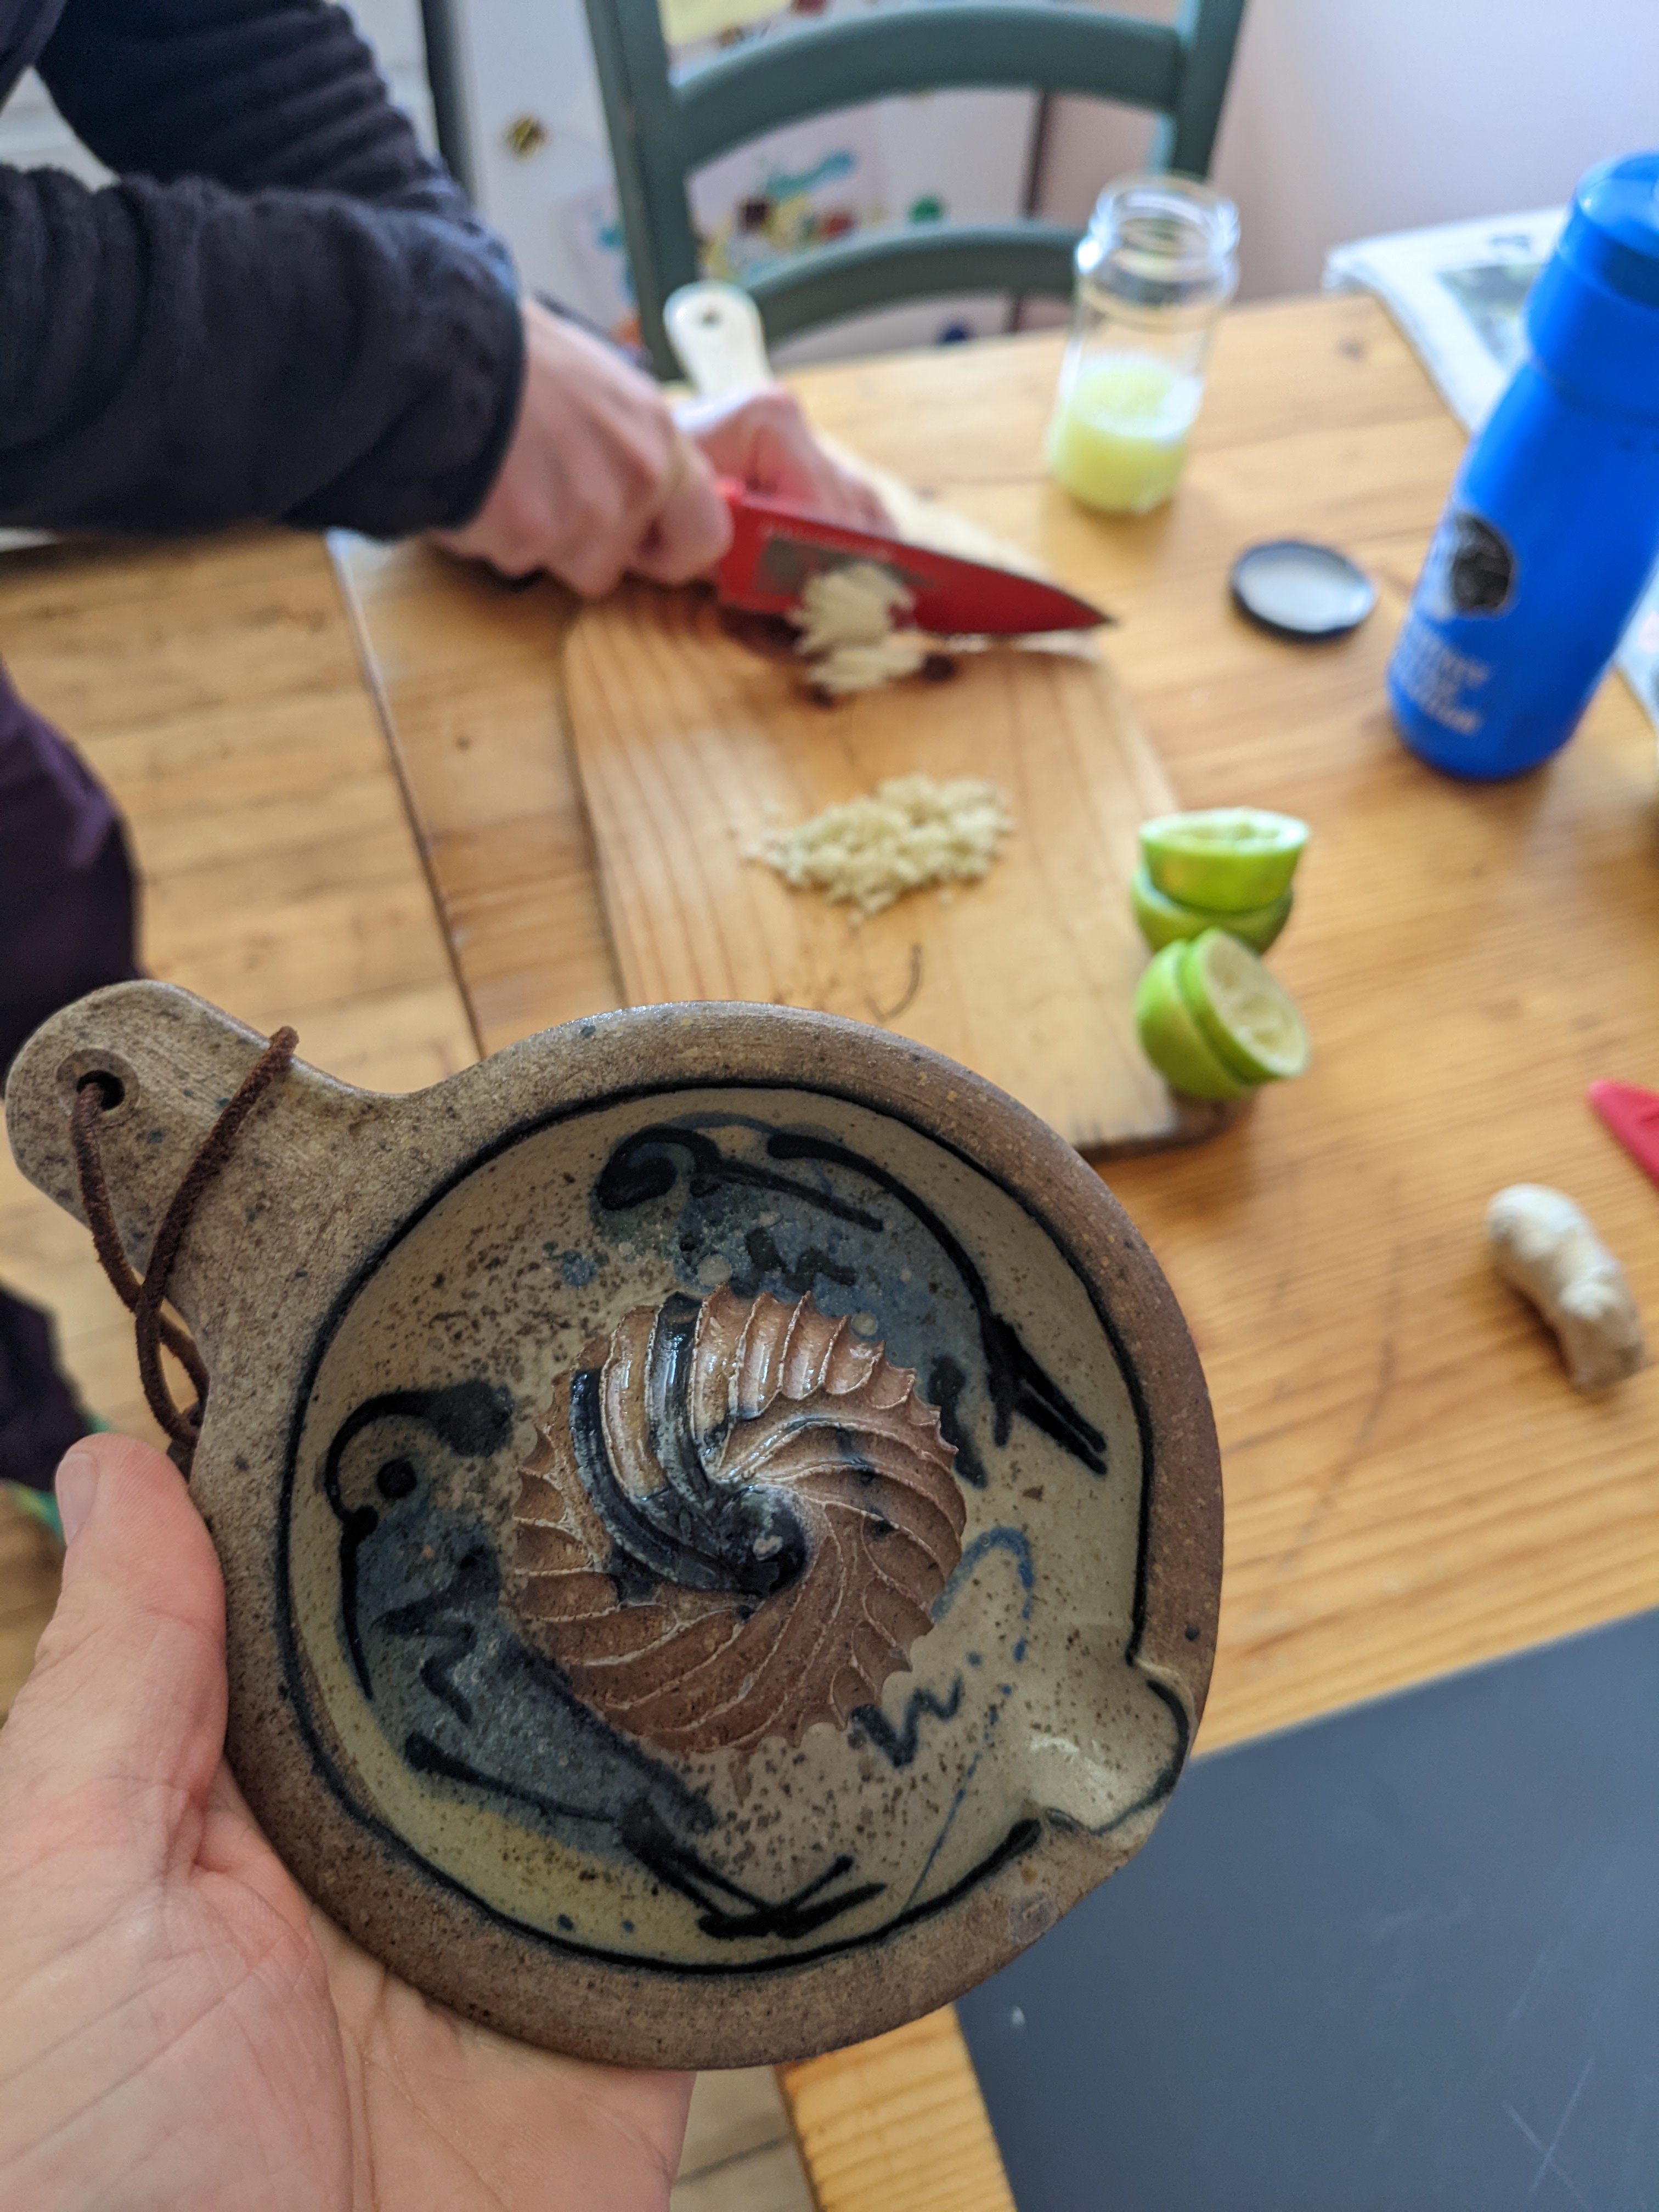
(692, 745)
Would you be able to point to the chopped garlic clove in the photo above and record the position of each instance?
(911, 831)
(854, 605)
(847, 668)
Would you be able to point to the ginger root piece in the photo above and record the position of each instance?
(1544, 1246)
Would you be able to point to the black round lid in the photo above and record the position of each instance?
(1299, 590)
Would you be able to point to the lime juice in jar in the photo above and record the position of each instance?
(1154, 271)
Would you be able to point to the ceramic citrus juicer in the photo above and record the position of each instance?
(720, 1509)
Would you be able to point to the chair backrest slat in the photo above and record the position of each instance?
(1064, 48)
(661, 131)
(920, 262)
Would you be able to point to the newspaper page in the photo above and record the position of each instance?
(1456, 291)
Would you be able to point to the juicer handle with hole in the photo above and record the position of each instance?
(716, 334)
(166, 1064)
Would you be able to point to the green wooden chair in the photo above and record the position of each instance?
(661, 129)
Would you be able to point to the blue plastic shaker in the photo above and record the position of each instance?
(1552, 529)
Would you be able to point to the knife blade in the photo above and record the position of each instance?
(777, 548)
(1632, 1113)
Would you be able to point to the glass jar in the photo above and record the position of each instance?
(1155, 269)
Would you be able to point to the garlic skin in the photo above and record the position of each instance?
(1544, 1246)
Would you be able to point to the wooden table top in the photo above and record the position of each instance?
(216, 691)
(1410, 1484)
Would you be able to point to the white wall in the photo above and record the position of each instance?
(1346, 118)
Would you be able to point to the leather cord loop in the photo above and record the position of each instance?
(142, 1295)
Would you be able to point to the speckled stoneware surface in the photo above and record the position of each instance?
(720, 1509)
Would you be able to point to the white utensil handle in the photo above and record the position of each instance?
(716, 329)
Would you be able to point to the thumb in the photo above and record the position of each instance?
(126, 1708)
(691, 530)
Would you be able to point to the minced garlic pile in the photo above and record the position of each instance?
(911, 831)
(848, 629)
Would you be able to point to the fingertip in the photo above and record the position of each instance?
(718, 527)
(592, 576)
(690, 534)
(89, 1466)
(125, 1508)
(75, 1489)
(873, 509)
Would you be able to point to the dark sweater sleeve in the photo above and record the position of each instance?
(284, 309)
(251, 93)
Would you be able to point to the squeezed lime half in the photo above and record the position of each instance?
(1163, 919)
(1248, 1016)
(1228, 858)
(1170, 1036)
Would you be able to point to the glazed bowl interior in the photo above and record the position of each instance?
(922, 1767)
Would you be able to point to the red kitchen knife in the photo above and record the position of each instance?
(1633, 1114)
(775, 548)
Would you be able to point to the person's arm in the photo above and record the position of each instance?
(176, 356)
(254, 93)
(321, 333)
(284, 309)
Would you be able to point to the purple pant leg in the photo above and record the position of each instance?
(66, 926)
(40, 1416)
(66, 890)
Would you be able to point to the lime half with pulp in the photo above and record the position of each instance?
(1229, 859)
(1164, 919)
(1170, 1036)
(1249, 1020)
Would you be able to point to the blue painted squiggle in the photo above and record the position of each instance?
(899, 1746)
(1014, 1542)
(1005, 1539)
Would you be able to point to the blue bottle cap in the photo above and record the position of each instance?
(1592, 319)
(1613, 230)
